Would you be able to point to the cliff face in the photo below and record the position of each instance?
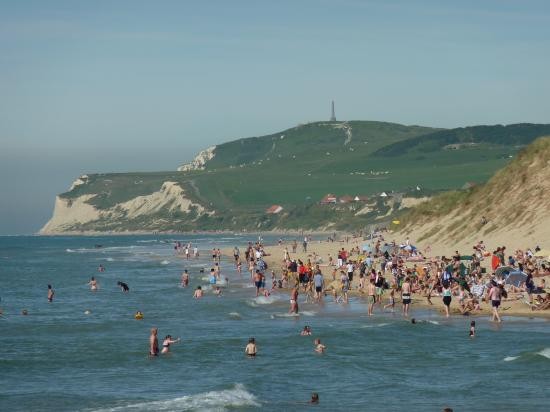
(148, 212)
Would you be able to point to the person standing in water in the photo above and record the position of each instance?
(447, 297)
(293, 301)
(251, 350)
(185, 279)
(51, 292)
(154, 342)
(406, 296)
(198, 293)
(472, 329)
(371, 290)
(167, 342)
(93, 284)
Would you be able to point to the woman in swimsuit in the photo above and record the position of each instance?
(446, 297)
(167, 342)
(93, 284)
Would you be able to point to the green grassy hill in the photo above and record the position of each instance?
(298, 166)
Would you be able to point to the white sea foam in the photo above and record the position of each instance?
(70, 250)
(165, 262)
(110, 259)
(378, 325)
(284, 315)
(235, 315)
(510, 358)
(267, 300)
(545, 352)
(433, 322)
(237, 397)
(308, 313)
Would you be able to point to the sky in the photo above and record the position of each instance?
(114, 86)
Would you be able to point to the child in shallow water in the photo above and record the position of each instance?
(472, 329)
(306, 331)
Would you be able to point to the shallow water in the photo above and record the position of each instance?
(58, 358)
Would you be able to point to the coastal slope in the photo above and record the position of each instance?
(512, 208)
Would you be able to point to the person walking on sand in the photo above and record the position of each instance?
(406, 296)
(293, 301)
(154, 342)
(50, 293)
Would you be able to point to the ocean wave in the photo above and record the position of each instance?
(235, 315)
(237, 397)
(545, 353)
(147, 241)
(165, 262)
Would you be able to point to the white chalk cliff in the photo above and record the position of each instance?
(199, 162)
(71, 213)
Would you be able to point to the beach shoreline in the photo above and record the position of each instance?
(514, 306)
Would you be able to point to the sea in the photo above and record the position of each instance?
(86, 352)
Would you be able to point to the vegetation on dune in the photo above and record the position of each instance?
(514, 196)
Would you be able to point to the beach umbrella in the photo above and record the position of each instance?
(503, 271)
(367, 248)
(396, 222)
(386, 248)
(515, 278)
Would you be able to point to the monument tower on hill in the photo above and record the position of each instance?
(333, 116)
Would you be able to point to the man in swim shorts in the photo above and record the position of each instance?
(258, 282)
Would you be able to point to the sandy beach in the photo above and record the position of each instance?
(514, 305)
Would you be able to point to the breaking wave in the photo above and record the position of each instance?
(237, 397)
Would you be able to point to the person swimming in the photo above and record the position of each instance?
(306, 331)
(473, 329)
(123, 286)
(319, 347)
(314, 398)
(167, 342)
